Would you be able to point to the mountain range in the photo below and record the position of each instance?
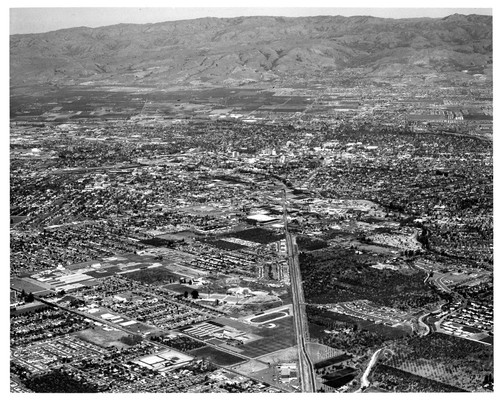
(227, 51)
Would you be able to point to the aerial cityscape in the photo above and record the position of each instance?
(255, 204)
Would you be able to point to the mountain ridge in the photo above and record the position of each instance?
(220, 51)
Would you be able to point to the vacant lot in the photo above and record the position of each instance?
(250, 367)
(102, 338)
(217, 356)
(153, 276)
(26, 284)
(282, 356)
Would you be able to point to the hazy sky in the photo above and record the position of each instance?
(57, 15)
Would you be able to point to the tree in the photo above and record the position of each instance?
(186, 294)
(30, 298)
(194, 294)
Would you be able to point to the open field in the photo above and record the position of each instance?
(16, 219)
(274, 339)
(250, 367)
(236, 324)
(216, 356)
(281, 356)
(98, 336)
(28, 285)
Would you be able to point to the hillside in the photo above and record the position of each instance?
(250, 49)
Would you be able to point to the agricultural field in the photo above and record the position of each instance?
(390, 379)
(339, 377)
(458, 362)
(462, 377)
(343, 333)
(28, 285)
(121, 102)
(319, 352)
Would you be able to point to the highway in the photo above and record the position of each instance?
(305, 365)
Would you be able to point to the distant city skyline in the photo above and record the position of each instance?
(45, 19)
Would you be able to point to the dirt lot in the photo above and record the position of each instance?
(102, 338)
(250, 367)
(281, 356)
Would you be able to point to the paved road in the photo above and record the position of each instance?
(159, 344)
(364, 380)
(440, 282)
(437, 277)
(427, 329)
(305, 365)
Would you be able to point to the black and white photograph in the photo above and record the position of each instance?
(262, 198)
